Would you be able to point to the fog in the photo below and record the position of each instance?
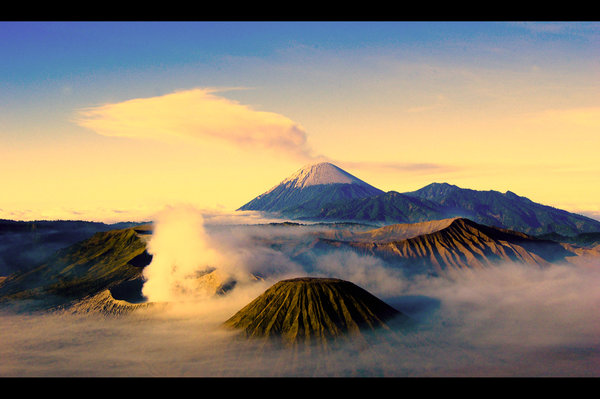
(509, 320)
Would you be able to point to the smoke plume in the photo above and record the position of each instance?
(181, 252)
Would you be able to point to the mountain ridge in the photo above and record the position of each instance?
(432, 202)
(99, 263)
(505, 210)
(452, 245)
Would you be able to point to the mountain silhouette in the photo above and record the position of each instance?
(102, 262)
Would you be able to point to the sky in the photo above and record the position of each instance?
(113, 121)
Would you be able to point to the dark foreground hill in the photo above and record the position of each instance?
(112, 260)
(309, 310)
(101, 274)
(24, 245)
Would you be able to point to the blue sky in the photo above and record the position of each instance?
(61, 65)
(43, 51)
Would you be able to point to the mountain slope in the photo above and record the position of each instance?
(401, 231)
(312, 309)
(101, 274)
(309, 189)
(451, 244)
(506, 210)
(104, 302)
(24, 245)
(390, 207)
(102, 262)
(324, 192)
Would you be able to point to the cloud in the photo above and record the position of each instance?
(521, 305)
(214, 216)
(197, 114)
(544, 27)
(507, 320)
(187, 243)
(366, 271)
(512, 320)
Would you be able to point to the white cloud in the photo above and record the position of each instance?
(197, 114)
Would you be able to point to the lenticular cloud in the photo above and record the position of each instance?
(197, 113)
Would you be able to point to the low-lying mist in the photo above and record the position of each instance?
(509, 320)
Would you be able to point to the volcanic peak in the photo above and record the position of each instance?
(310, 308)
(321, 173)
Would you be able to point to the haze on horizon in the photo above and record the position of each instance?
(112, 121)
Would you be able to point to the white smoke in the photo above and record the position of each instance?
(519, 304)
(181, 252)
(185, 250)
(368, 272)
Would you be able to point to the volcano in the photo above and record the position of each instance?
(447, 245)
(325, 193)
(309, 189)
(310, 309)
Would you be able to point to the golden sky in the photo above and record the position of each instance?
(483, 106)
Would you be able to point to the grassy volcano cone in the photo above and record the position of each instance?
(304, 309)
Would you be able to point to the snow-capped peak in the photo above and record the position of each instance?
(321, 173)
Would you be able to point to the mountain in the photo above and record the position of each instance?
(24, 245)
(442, 246)
(105, 261)
(104, 273)
(390, 207)
(308, 310)
(309, 189)
(505, 210)
(103, 302)
(442, 200)
(325, 193)
(125, 297)
(101, 274)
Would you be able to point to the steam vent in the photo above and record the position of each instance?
(313, 309)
